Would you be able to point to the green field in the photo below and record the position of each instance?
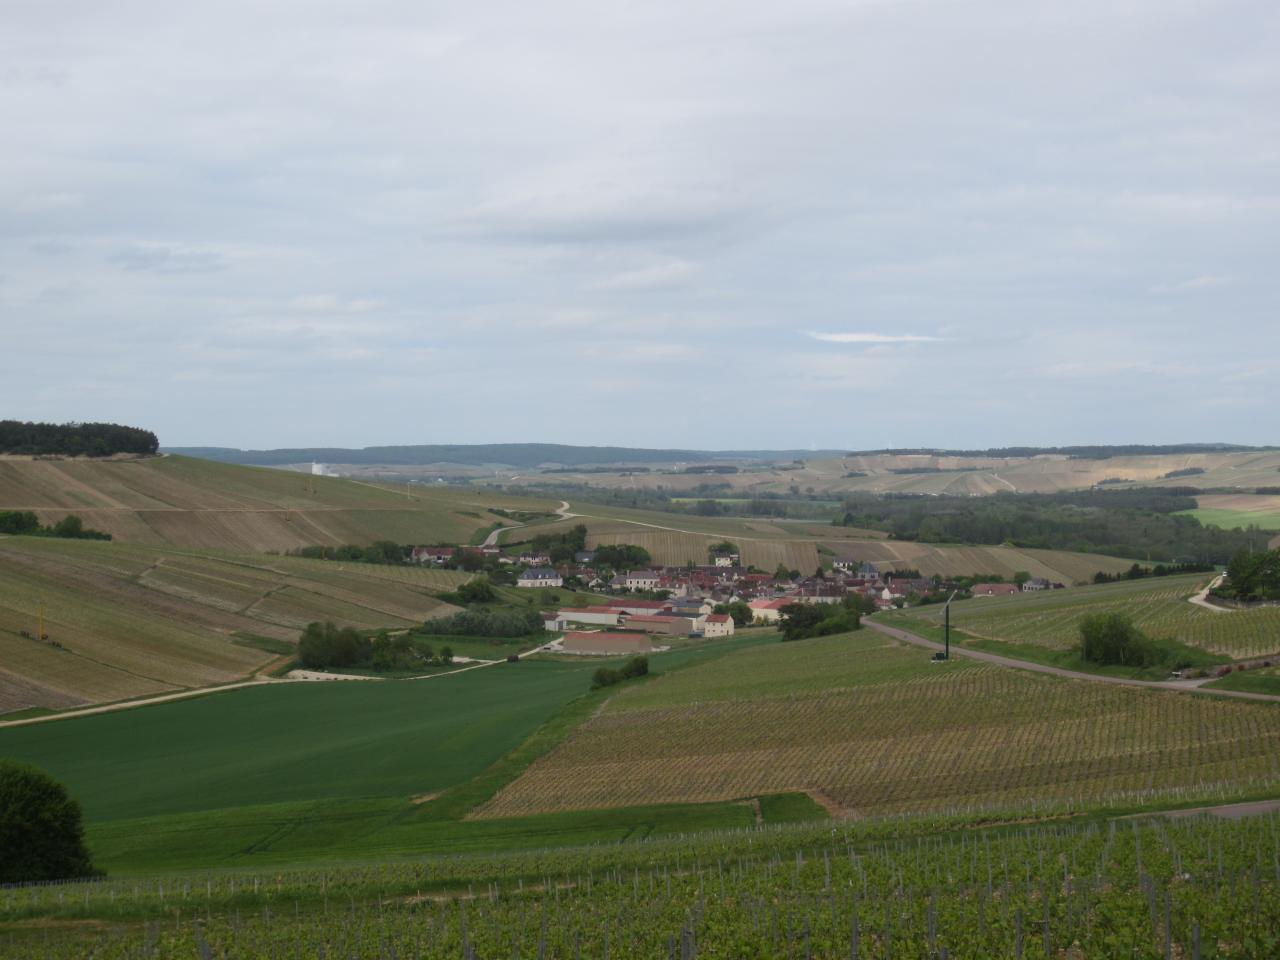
(1050, 619)
(331, 770)
(1230, 519)
(868, 726)
(131, 620)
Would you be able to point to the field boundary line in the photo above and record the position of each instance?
(1185, 686)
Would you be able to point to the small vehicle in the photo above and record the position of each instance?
(939, 657)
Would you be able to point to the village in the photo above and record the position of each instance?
(642, 607)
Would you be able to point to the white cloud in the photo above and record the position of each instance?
(874, 338)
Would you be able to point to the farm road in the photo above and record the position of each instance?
(1200, 599)
(491, 540)
(1189, 686)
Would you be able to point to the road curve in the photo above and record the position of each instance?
(1187, 686)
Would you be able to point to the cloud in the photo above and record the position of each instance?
(875, 338)
(660, 276)
(1195, 283)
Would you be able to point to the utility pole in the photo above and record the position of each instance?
(40, 620)
(946, 629)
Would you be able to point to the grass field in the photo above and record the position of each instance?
(331, 770)
(186, 502)
(1238, 510)
(1051, 619)
(136, 620)
(874, 727)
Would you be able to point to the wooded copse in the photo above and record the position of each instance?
(1122, 523)
(74, 439)
(24, 523)
(1252, 577)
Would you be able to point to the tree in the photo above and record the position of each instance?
(41, 833)
(479, 590)
(1112, 638)
(739, 610)
(1021, 577)
(724, 546)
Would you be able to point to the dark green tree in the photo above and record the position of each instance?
(41, 833)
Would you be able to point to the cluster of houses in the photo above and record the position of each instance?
(693, 592)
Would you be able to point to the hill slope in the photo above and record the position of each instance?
(199, 503)
(129, 621)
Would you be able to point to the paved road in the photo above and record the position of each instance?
(491, 540)
(1190, 686)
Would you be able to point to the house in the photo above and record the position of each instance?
(534, 559)
(994, 589)
(606, 644)
(725, 559)
(436, 555)
(718, 625)
(691, 606)
(583, 557)
(670, 625)
(600, 616)
(766, 611)
(539, 577)
(868, 572)
(642, 580)
(1035, 583)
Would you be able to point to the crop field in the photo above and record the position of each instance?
(899, 735)
(129, 621)
(1159, 607)
(1239, 510)
(186, 502)
(1187, 887)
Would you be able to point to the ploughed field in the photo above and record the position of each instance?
(187, 502)
(126, 621)
(868, 726)
(1158, 606)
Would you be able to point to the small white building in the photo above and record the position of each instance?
(599, 616)
(726, 559)
(539, 577)
(718, 625)
(766, 611)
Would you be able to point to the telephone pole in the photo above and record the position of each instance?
(946, 629)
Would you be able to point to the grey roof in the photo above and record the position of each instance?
(539, 573)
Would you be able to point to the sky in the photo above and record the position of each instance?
(703, 224)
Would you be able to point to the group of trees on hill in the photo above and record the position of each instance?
(1126, 523)
(324, 645)
(622, 556)
(380, 551)
(24, 523)
(561, 547)
(1252, 577)
(802, 620)
(487, 623)
(74, 439)
(1139, 572)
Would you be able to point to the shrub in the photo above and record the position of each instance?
(607, 676)
(1112, 639)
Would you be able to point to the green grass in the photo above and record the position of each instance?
(265, 644)
(790, 808)
(1261, 680)
(1230, 519)
(293, 742)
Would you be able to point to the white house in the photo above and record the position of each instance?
(539, 577)
(718, 625)
(642, 580)
(766, 611)
(726, 559)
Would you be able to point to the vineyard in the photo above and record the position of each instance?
(1158, 606)
(874, 729)
(126, 621)
(1183, 887)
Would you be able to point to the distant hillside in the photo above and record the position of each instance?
(198, 503)
(1101, 452)
(525, 455)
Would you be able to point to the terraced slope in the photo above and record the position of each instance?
(199, 503)
(871, 727)
(126, 621)
(1159, 607)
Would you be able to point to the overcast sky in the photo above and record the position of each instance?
(705, 224)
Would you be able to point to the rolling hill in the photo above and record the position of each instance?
(186, 502)
(126, 621)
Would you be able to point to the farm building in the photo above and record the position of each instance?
(766, 611)
(718, 625)
(672, 626)
(639, 607)
(600, 616)
(994, 589)
(437, 555)
(606, 643)
(539, 577)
